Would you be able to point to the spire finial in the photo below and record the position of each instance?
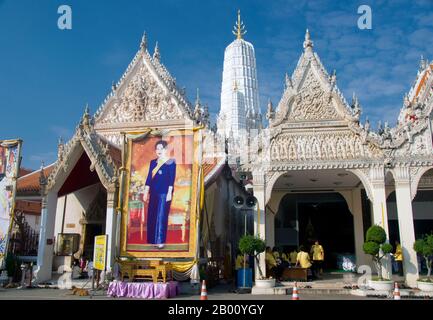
(308, 43)
(143, 44)
(422, 63)
(197, 100)
(288, 81)
(156, 53)
(239, 28)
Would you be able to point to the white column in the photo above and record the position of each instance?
(380, 214)
(361, 257)
(110, 230)
(260, 223)
(405, 224)
(270, 230)
(44, 267)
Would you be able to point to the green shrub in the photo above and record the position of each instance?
(424, 247)
(371, 248)
(376, 246)
(376, 234)
(252, 246)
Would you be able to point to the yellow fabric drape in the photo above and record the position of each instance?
(182, 266)
(201, 189)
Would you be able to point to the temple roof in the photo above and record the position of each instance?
(29, 184)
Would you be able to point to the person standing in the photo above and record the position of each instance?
(271, 263)
(318, 257)
(398, 256)
(293, 256)
(160, 186)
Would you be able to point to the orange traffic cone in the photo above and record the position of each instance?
(295, 295)
(203, 295)
(396, 292)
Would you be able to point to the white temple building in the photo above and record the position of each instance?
(240, 109)
(316, 171)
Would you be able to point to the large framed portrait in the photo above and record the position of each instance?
(160, 199)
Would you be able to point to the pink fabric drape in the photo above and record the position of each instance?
(143, 290)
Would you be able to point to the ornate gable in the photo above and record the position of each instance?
(104, 157)
(145, 96)
(312, 102)
(311, 95)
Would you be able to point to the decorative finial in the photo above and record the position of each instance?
(143, 44)
(239, 28)
(288, 81)
(308, 43)
(270, 110)
(156, 53)
(422, 63)
(197, 100)
(86, 109)
(113, 86)
(205, 115)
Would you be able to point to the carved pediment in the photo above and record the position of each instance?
(312, 102)
(142, 99)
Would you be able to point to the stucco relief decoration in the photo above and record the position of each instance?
(143, 99)
(312, 103)
(327, 146)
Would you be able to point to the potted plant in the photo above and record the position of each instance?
(424, 247)
(378, 248)
(253, 246)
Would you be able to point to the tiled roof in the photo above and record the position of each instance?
(30, 183)
(28, 207)
(211, 169)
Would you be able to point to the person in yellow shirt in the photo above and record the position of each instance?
(286, 258)
(239, 264)
(303, 258)
(293, 256)
(271, 263)
(398, 256)
(318, 255)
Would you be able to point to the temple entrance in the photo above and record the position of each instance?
(304, 218)
(330, 206)
(94, 222)
(81, 214)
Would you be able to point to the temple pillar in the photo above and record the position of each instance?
(259, 217)
(358, 225)
(406, 224)
(110, 229)
(44, 266)
(380, 214)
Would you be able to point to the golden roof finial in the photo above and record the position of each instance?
(239, 28)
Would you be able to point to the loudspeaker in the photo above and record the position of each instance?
(251, 202)
(238, 202)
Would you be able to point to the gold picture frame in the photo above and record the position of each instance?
(191, 252)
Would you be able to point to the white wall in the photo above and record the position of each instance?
(33, 221)
(76, 203)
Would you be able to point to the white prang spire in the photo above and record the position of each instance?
(240, 110)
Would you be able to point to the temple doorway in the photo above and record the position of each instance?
(304, 218)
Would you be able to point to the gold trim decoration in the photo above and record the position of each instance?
(195, 201)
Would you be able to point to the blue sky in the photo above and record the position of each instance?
(48, 75)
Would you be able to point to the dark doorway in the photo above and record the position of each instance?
(331, 224)
(317, 216)
(92, 230)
